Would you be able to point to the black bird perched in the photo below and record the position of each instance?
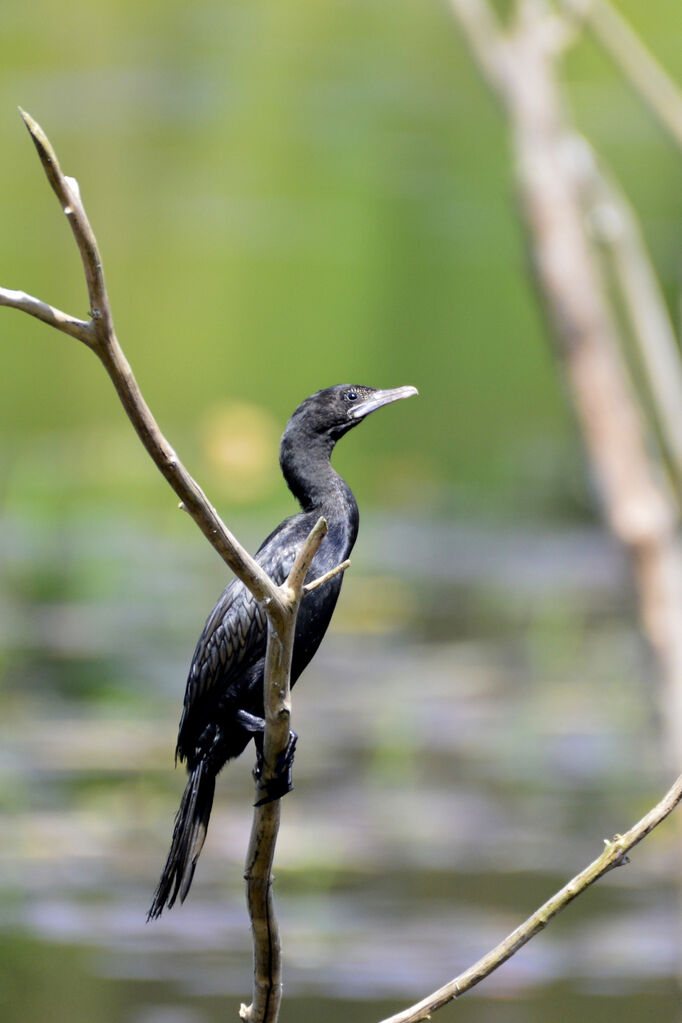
(223, 706)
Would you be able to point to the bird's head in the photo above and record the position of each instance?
(332, 412)
(314, 429)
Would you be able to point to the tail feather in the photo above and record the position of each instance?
(189, 833)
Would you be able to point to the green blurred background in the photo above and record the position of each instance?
(289, 195)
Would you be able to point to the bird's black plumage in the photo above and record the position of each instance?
(223, 705)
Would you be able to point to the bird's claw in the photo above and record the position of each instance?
(283, 781)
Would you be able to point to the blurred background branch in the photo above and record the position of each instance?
(615, 226)
(630, 479)
(644, 72)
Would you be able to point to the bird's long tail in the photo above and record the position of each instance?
(191, 824)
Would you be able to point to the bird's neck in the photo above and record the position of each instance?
(310, 477)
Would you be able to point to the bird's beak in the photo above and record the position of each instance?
(380, 398)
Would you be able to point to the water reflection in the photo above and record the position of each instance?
(458, 760)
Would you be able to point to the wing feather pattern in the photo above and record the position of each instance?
(234, 637)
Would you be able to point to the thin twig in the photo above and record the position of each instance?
(616, 228)
(309, 587)
(67, 191)
(305, 557)
(614, 855)
(98, 333)
(487, 41)
(659, 91)
(80, 329)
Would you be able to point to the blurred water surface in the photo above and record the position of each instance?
(467, 739)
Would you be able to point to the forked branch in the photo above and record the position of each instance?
(267, 962)
(281, 603)
(99, 335)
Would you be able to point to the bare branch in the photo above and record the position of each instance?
(99, 335)
(281, 603)
(80, 329)
(614, 855)
(486, 39)
(68, 193)
(616, 227)
(267, 966)
(636, 502)
(327, 576)
(267, 956)
(636, 506)
(305, 557)
(637, 64)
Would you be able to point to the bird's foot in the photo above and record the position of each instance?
(250, 722)
(283, 781)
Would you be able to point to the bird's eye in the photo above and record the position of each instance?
(351, 395)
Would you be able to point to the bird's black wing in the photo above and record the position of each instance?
(234, 637)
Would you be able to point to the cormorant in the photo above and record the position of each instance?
(223, 705)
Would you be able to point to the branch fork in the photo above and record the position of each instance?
(280, 603)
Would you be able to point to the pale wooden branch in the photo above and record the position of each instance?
(520, 67)
(614, 855)
(644, 72)
(68, 193)
(80, 329)
(568, 275)
(305, 557)
(615, 227)
(486, 40)
(267, 960)
(637, 504)
(280, 603)
(98, 334)
(321, 580)
(266, 996)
